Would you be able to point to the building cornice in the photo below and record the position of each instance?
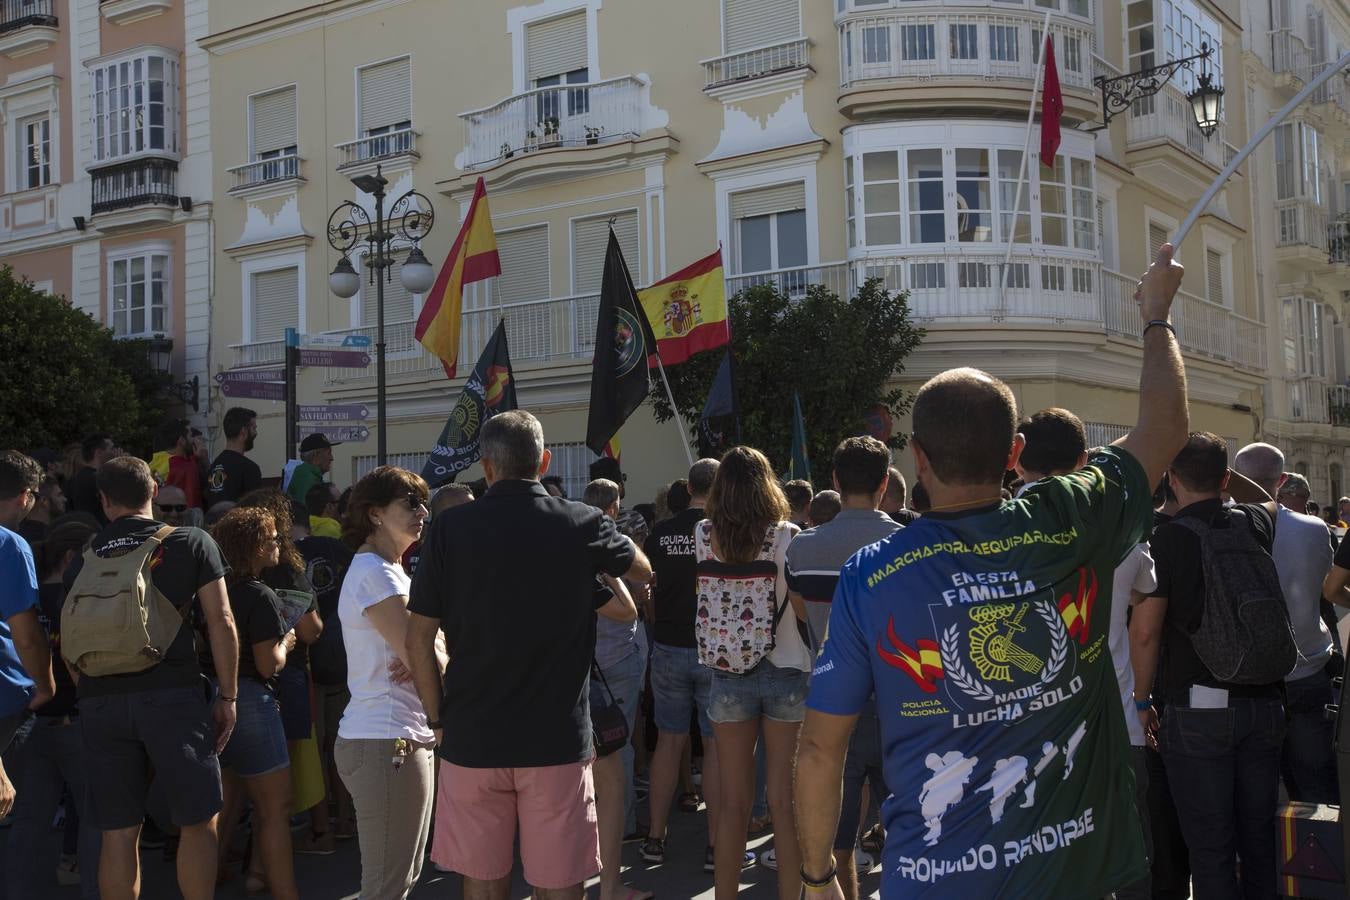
(319, 15)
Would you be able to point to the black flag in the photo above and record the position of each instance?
(490, 389)
(721, 406)
(623, 341)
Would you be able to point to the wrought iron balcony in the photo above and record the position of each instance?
(140, 182)
(1338, 242)
(16, 14)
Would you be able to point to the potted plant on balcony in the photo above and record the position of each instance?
(593, 133)
(551, 137)
(507, 152)
(531, 140)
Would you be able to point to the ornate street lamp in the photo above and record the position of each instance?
(1120, 92)
(159, 352)
(409, 220)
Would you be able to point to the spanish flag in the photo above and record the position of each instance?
(473, 257)
(688, 311)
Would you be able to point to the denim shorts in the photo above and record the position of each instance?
(768, 691)
(258, 744)
(679, 687)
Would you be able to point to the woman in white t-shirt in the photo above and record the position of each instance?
(385, 750)
(746, 530)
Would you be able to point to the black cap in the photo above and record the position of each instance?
(317, 441)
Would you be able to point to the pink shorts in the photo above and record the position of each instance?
(477, 811)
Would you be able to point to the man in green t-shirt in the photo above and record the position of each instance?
(316, 453)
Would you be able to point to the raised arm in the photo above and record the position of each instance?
(1161, 429)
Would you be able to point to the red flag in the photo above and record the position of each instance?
(1052, 107)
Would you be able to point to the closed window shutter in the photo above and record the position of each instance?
(276, 299)
(755, 23)
(386, 94)
(1157, 236)
(274, 121)
(398, 303)
(1214, 276)
(555, 46)
(762, 202)
(524, 258)
(590, 239)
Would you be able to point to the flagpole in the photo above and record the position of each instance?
(1026, 162)
(679, 420)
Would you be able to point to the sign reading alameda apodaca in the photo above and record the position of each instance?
(241, 375)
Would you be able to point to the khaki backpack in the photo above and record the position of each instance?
(114, 620)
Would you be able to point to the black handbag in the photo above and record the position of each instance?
(609, 725)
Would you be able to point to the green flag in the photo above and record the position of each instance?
(801, 461)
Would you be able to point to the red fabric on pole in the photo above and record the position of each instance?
(1052, 107)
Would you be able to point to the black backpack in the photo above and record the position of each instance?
(1244, 636)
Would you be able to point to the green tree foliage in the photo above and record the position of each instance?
(842, 357)
(63, 376)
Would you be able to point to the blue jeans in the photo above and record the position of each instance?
(625, 681)
(1308, 762)
(47, 754)
(1223, 766)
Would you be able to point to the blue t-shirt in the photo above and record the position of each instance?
(20, 592)
(984, 636)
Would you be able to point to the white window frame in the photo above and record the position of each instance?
(1223, 245)
(22, 148)
(173, 105)
(775, 264)
(248, 108)
(361, 132)
(270, 262)
(768, 175)
(520, 18)
(25, 100)
(146, 251)
(722, 23)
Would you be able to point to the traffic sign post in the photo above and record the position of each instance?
(254, 390)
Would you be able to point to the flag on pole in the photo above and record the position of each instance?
(490, 389)
(1052, 106)
(473, 257)
(721, 404)
(801, 460)
(688, 310)
(623, 343)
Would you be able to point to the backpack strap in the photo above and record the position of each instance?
(160, 535)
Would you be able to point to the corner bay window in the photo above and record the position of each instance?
(965, 195)
(135, 106)
(139, 297)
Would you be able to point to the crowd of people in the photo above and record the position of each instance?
(1046, 670)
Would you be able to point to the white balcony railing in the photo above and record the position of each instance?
(402, 142)
(1300, 223)
(757, 61)
(1338, 404)
(264, 171)
(1289, 55)
(1203, 328)
(572, 115)
(1308, 400)
(959, 45)
(1332, 92)
(259, 353)
(1168, 115)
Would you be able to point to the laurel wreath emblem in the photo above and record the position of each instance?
(955, 670)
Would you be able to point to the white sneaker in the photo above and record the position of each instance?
(769, 859)
(862, 860)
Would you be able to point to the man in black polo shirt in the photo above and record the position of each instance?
(510, 580)
(1220, 742)
(233, 474)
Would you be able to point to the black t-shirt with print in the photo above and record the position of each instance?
(232, 476)
(670, 547)
(326, 563)
(51, 596)
(255, 618)
(187, 560)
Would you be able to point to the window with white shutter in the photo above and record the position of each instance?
(590, 238)
(276, 301)
(398, 303)
(385, 101)
(1157, 236)
(756, 23)
(524, 258)
(1214, 275)
(272, 117)
(769, 228)
(555, 46)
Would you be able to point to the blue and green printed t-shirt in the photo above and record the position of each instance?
(984, 635)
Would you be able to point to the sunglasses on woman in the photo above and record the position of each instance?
(415, 501)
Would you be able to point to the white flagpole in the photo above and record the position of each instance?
(684, 435)
(1026, 151)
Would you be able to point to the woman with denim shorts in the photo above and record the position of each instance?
(746, 512)
(255, 762)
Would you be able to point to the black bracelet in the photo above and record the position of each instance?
(819, 883)
(1163, 323)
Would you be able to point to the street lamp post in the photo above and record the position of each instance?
(410, 219)
(1120, 93)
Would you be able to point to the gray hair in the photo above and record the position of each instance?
(1295, 483)
(600, 493)
(513, 442)
(701, 475)
(1262, 463)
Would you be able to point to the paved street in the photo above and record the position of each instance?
(337, 877)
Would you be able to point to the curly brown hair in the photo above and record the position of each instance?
(379, 488)
(745, 501)
(242, 535)
(279, 505)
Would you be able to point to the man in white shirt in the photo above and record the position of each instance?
(1303, 553)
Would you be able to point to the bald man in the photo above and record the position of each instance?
(171, 506)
